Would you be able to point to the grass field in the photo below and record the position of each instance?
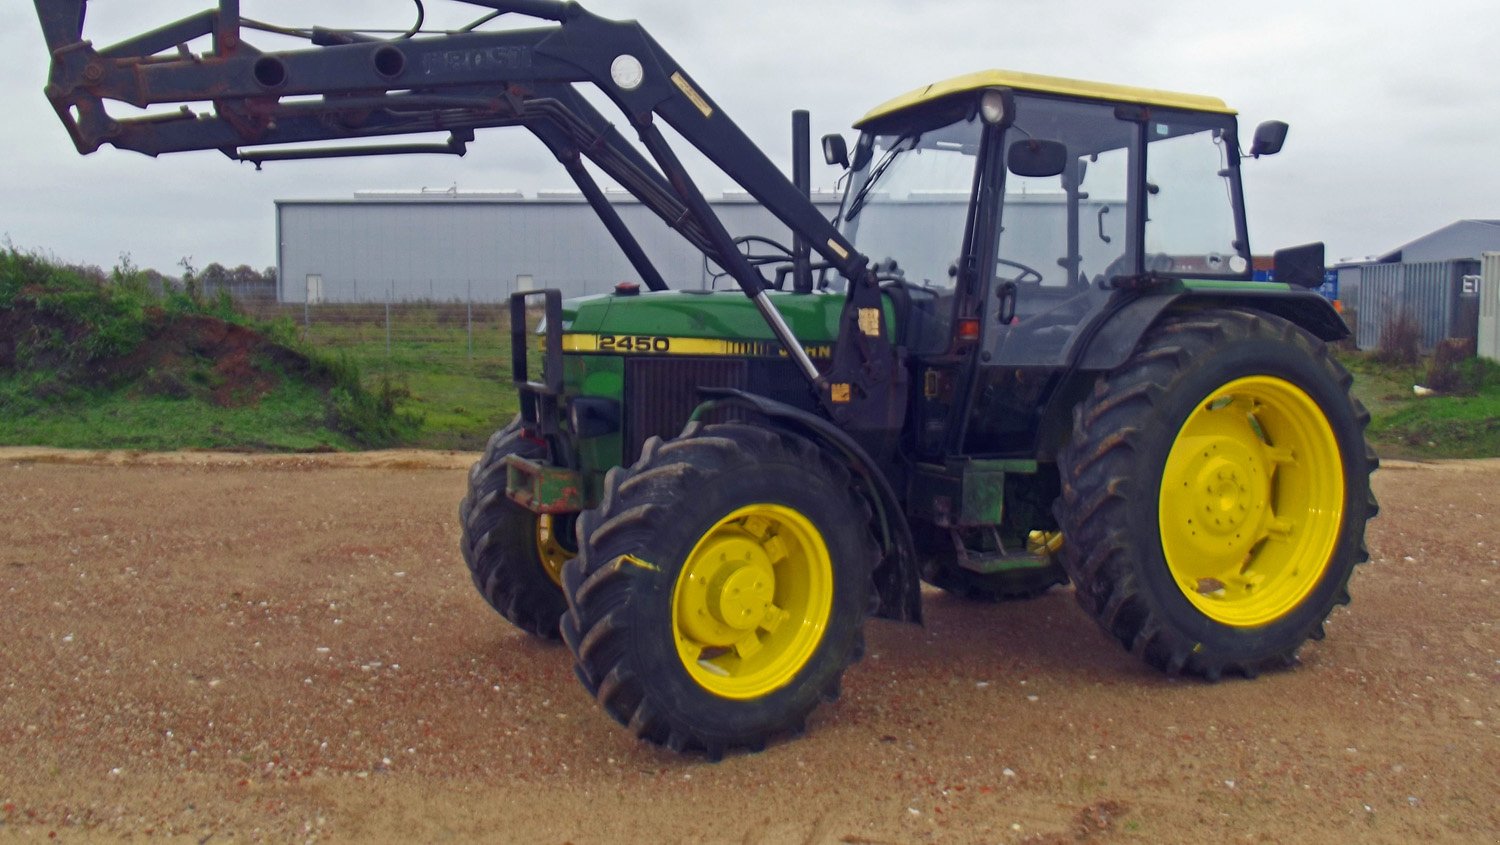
(1463, 424)
(461, 394)
(426, 375)
(291, 418)
(89, 359)
(463, 399)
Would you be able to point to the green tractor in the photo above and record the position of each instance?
(1027, 352)
(1096, 393)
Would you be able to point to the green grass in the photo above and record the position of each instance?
(98, 360)
(460, 400)
(1464, 424)
(293, 417)
(422, 385)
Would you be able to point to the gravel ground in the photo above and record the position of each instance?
(288, 648)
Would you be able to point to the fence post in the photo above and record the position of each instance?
(471, 321)
(389, 292)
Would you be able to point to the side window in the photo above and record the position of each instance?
(1036, 243)
(1103, 239)
(1190, 225)
(1060, 235)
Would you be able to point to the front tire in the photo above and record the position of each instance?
(1215, 494)
(720, 589)
(515, 557)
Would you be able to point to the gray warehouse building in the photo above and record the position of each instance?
(453, 245)
(1433, 280)
(445, 246)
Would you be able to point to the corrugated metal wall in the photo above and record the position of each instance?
(1349, 279)
(367, 250)
(1430, 292)
(1489, 307)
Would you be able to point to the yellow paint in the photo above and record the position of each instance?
(869, 322)
(1044, 543)
(839, 392)
(1251, 501)
(692, 94)
(638, 563)
(1045, 85)
(752, 601)
(548, 550)
(663, 345)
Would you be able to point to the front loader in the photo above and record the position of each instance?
(1027, 351)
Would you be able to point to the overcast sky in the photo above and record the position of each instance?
(1394, 108)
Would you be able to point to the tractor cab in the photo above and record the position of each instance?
(1020, 209)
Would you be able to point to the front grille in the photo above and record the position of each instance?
(660, 394)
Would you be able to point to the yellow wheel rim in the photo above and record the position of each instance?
(752, 601)
(1252, 500)
(549, 550)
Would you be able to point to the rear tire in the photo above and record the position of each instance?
(720, 589)
(514, 556)
(1215, 494)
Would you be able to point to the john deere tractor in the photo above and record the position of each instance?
(1026, 352)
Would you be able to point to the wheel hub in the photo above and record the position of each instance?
(730, 589)
(742, 598)
(1225, 491)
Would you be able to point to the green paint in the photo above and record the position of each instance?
(602, 376)
(964, 492)
(543, 488)
(983, 495)
(1228, 286)
(728, 315)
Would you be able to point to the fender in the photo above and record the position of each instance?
(1114, 341)
(897, 582)
(1108, 343)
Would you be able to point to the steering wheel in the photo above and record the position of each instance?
(1026, 270)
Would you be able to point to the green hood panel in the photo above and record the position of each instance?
(716, 314)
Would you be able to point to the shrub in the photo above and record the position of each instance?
(1400, 340)
(1444, 373)
(371, 418)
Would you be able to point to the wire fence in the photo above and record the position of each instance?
(405, 338)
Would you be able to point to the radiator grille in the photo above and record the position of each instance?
(660, 393)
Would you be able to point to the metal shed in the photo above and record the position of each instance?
(1489, 307)
(453, 245)
(1442, 296)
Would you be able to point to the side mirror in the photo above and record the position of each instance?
(835, 150)
(1031, 157)
(1299, 265)
(1269, 137)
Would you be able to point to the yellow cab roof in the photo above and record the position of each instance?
(1045, 85)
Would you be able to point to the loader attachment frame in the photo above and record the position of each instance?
(348, 85)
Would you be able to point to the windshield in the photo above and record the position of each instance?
(909, 199)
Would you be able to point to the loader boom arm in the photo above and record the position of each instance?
(349, 85)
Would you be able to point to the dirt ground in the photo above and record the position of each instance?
(215, 647)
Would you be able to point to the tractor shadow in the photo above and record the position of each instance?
(1048, 635)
